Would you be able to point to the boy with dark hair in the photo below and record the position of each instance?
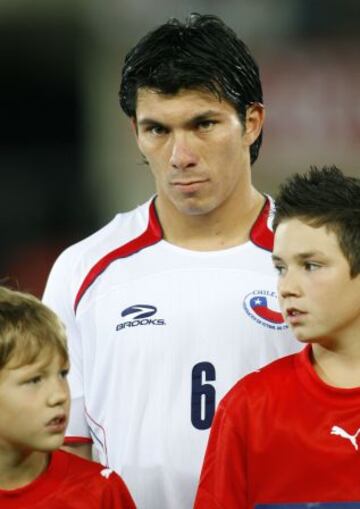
(290, 432)
(34, 406)
(170, 303)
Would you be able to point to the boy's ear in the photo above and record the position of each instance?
(254, 121)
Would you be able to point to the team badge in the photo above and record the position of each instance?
(262, 306)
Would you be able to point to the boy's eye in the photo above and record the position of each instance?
(311, 266)
(280, 269)
(34, 380)
(64, 372)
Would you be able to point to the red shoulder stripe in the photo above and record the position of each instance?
(260, 233)
(150, 236)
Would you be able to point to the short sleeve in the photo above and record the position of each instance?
(59, 296)
(116, 494)
(223, 481)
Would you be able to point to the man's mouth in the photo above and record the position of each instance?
(189, 186)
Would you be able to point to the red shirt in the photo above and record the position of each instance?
(70, 482)
(283, 435)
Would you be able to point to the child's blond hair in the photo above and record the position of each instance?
(28, 328)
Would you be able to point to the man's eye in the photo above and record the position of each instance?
(157, 130)
(206, 125)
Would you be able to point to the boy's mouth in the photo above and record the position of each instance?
(58, 422)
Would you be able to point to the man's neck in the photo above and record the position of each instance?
(18, 469)
(222, 228)
(338, 366)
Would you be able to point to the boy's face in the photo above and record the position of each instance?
(318, 298)
(34, 403)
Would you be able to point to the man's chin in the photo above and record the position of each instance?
(193, 206)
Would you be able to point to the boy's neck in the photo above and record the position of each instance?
(338, 366)
(18, 469)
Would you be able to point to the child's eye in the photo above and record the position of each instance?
(64, 373)
(280, 269)
(311, 266)
(34, 380)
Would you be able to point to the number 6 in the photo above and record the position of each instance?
(203, 395)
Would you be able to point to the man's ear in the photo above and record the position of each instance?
(134, 126)
(254, 121)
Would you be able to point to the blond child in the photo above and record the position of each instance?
(34, 409)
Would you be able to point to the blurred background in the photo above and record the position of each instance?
(68, 161)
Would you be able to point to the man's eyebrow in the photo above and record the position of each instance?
(146, 121)
(205, 115)
(149, 121)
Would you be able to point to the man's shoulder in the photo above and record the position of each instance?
(78, 260)
(122, 229)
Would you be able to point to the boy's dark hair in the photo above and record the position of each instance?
(325, 197)
(202, 53)
(28, 328)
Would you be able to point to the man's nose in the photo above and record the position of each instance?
(182, 155)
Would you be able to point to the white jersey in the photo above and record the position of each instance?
(157, 335)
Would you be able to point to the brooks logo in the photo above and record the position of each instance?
(143, 310)
(141, 314)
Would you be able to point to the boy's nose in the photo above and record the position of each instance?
(288, 286)
(59, 393)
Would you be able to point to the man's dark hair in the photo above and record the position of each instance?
(325, 197)
(201, 53)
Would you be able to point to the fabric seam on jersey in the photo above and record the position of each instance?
(103, 430)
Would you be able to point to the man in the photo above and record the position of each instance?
(169, 304)
(289, 433)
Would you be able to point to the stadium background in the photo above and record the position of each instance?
(68, 162)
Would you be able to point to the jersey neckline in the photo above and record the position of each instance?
(260, 235)
(44, 485)
(310, 379)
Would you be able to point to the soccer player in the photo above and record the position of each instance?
(34, 406)
(169, 304)
(289, 432)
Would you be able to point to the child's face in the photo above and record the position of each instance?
(34, 403)
(318, 298)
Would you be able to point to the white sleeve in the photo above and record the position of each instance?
(59, 295)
